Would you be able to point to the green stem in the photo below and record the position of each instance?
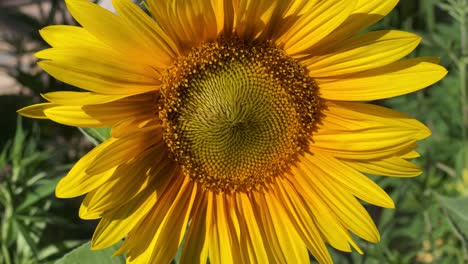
(463, 81)
(6, 254)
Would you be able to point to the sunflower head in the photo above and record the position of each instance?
(235, 113)
(241, 127)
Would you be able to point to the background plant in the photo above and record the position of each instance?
(27, 182)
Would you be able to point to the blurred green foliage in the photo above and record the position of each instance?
(26, 184)
(429, 224)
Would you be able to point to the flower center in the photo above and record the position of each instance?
(236, 114)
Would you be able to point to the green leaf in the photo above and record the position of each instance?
(18, 141)
(44, 190)
(3, 155)
(25, 241)
(457, 206)
(457, 209)
(56, 248)
(96, 135)
(84, 255)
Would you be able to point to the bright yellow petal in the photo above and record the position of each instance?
(195, 249)
(365, 131)
(125, 149)
(316, 24)
(147, 170)
(353, 116)
(366, 13)
(138, 239)
(63, 36)
(392, 166)
(395, 79)
(284, 15)
(283, 240)
(364, 52)
(326, 220)
(354, 182)
(331, 229)
(410, 155)
(78, 182)
(149, 32)
(80, 98)
(98, 71)
(351, 213)
(119, 221)
(224, 242)
(126, 40)
(36, 111)
(101, 115)
(251, 234)
(163, 229)
(302, 220)
(189, 23)
(254, 19)
(83, 211)
(133, 125)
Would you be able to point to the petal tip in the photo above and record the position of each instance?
(63, 191)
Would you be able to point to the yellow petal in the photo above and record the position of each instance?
(253, 18)
(83, 212)
(364, 52)
(101, 115)
(78, 182)
(355, 182)
(322, 215)
(351, 213)
(144, 231)
(80, 98)
(410, 155)
(395, 79)
(150, 33)
(147, 170)
(326, 220)
(302, 220)
(69, 36)
(282, 238)
(252, 245)
(283, 16)
(392, 166)
(97, 71)
(364, 131)
(195, 250)
(36, 111)
(353, 116)
(366, 13)
(117, 222)
(190, 22)
(164, 227)
(126, 40)
(133, 125)
(111, 230)
(316, 24)
(124, 149)
(224, 244)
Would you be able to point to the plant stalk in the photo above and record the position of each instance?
(462, 63)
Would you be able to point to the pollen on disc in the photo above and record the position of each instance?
(235, 114)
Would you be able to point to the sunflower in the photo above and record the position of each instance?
(240, 128)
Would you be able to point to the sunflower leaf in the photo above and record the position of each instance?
(96, 135)
(84, 254)
(457, 209)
